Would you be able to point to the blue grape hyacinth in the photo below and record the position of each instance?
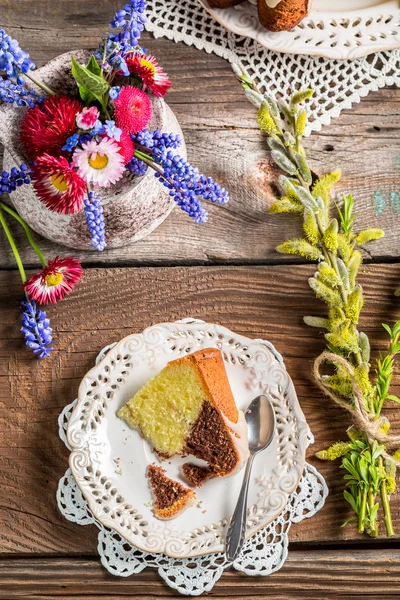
(187, 186)
(136, 167)
(132, 19)
(13, 60)
(17, 93)
(9, 181)
(95, 220)
(36, 329)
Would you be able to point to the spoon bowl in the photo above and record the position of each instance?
(260, 419)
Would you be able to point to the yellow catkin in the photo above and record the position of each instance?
(331, 236)
(325, 293)
(337, 450)
(328, 275)
(265, 121)
(361, 375)
(301, 123)
(354, 304)
(390, 485)
(322, 187)
(339, 384)
(373, 233)
(286, 205)
(299, 247)
(343, 337)
(354, 265)
(344, 247)
(301, 95)
(310, 227)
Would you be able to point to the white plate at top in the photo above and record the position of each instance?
(109, 460)
(341, 29)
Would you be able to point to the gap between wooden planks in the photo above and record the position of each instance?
(265, 302)
(223, 141)
(309, 575)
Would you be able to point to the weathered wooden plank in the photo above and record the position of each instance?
(265, 302)
(223, 141)
(307, 574)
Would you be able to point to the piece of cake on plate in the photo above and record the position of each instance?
(170, 497)
(188, 408)
(282, 15)
(274, 15)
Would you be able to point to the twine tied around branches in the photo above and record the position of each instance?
(363, 419)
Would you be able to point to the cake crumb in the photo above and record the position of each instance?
(204, 511)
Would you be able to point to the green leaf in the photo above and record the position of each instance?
(394, 398)
(94, 84)
(351, 501)
(352, 520)
(93, 66)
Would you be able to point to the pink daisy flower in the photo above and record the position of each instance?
(132, 109)
(126, 146)
(87, 118)
(58, 185)
(152, 75)
(100, 163)
(54, 281)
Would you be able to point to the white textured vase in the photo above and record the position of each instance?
(132, 208)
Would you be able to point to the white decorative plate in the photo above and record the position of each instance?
(109, 460)
(341, 29)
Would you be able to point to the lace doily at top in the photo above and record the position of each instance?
(262, 554)
(338, 84)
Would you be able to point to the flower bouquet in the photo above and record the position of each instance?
(87, 128)
(92, 134)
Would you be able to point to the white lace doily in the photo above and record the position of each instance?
(337, 83)
(262, 554)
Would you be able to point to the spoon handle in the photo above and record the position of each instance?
(236, 534)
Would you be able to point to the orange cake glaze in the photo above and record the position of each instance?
(210, 365)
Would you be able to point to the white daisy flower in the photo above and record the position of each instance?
(99, 163)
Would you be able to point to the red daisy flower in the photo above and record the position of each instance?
(152, 75)
(126, 146)
(54, 281)
(46, 127)
(58, 185)
(132, 109)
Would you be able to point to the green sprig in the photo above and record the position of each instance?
(332, 241)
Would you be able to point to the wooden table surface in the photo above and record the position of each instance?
(226, 271)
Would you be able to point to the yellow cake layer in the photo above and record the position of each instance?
(166, 407)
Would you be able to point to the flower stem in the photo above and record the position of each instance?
(13, 247)
(28, 232)
(373, 531)
(40, 84)
(148, 160)
(363, 511)
(387, 513)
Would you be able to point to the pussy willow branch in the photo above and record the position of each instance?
(334, 244)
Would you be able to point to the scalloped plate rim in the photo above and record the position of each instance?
(262, 35)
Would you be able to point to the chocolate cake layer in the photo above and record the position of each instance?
(166, 491)
(210, 441)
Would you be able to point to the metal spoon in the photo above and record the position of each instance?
(260, 419)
